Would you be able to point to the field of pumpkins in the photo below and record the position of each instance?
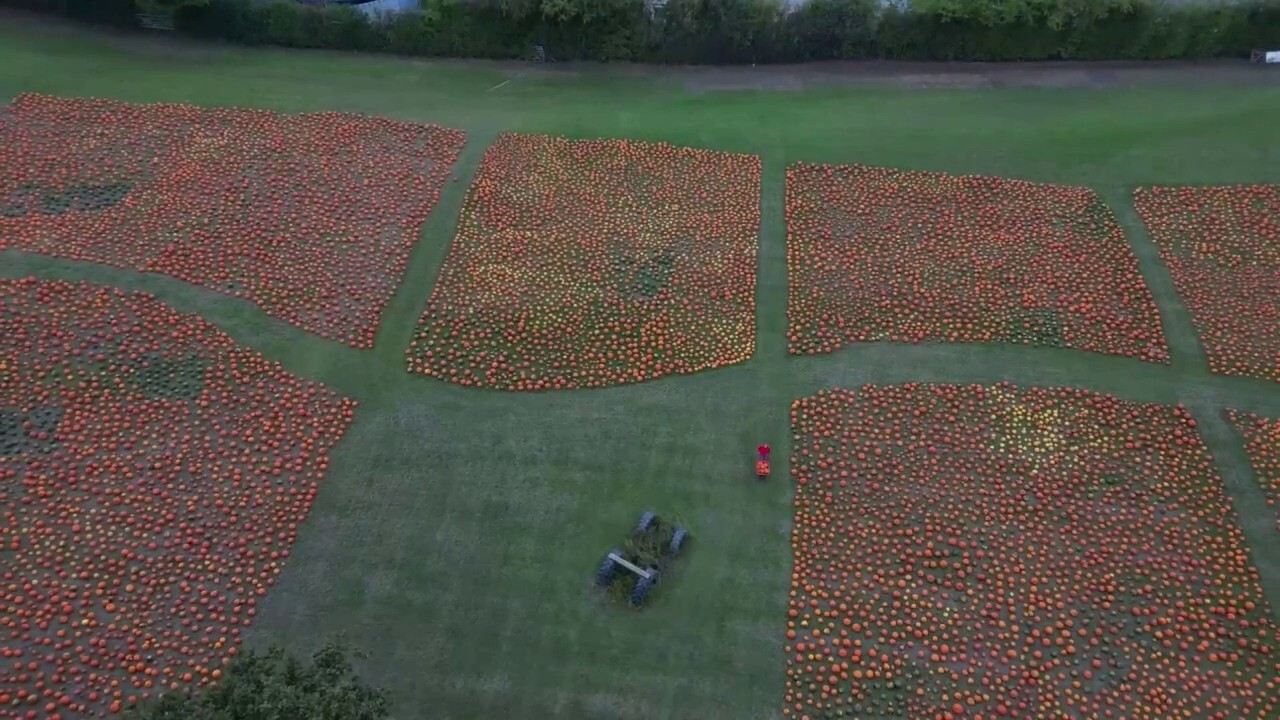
(310, 217)
(584, 264)
(976, 550)
(155, 476)
(995, 552)
(879, 254)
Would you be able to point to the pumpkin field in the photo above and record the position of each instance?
(1222, 245)
(239, 201)
(594, 263)
(988, 551)
(156, 477)
(298, 346)
(878, 254)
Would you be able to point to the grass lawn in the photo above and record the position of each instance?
(456, 534)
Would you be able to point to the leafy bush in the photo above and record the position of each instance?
(234, 20)
(277, 686)
(835, 29)
(286, 23)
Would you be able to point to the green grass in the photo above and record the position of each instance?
(456, 536)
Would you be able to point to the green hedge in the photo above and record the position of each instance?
(743, 31)
(109, 12)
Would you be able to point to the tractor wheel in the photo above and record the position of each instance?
(677, 541)
(608, 569)
(641, 592)
(647, 520)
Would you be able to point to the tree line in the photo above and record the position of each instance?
(731, 31)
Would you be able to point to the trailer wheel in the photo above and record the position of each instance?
(647, 520)
(608, 569)
(677, 540)
(641, 592)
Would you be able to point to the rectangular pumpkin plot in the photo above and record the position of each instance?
(878, 254)
(1007, 552)
(587, 263)
(153, 477)
(1262, 445)
(1222, 247)
(310, 217)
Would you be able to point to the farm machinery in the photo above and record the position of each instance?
(642, 559)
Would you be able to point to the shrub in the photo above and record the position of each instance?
(225, 19)
(835, 29)
(275, 686)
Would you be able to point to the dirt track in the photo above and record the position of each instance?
(1061, 74)
(944, 75)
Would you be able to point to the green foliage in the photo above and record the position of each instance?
(339, 27)
(835, 29)
(741, 31)
(109, 12)
(277, 686)
(728, 31)
(286, 23)
(168, 6)
(234, 20)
